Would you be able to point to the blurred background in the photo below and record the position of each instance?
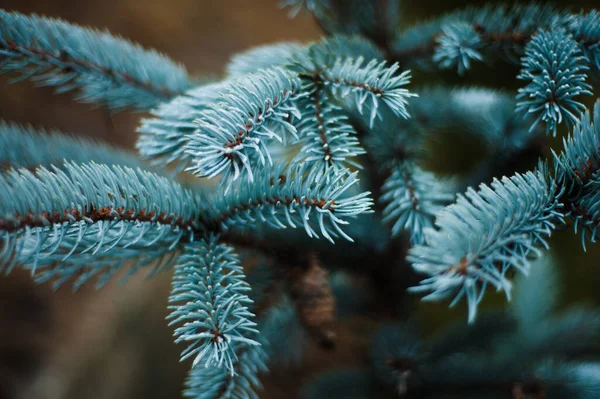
(114, 343)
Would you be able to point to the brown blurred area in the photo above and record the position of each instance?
(114, 342)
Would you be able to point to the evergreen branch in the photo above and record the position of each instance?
(580, 159)
(576, 169)
(374, 81)
(262, 57)
(231, 134)
(211, 305)
(163, 138)
(583, 210)
(492, 32)
(484, 235)
(328, 139)
(497, 31)
(291, 196)
(282, 342)
(367, 84)
(555, 68)
(217, 383)
(103, 69)
(586, 29)
(414, 197)
(25, 147)
(90, 209)
(457, 47)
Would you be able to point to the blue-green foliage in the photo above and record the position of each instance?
(328, 138)
(485, 234)
(214, 382)
(285, 134)
(281, 343)
(211, 305)
(59, 214)
(367, 82)
(291, 196)
(576, 169)
(457, 47)
(231, 135)
(26, 147)
(413, 197)
(554, 68)
(102, 68)
(586, 28)
(498, 31)
(163, 138)
(579, 160)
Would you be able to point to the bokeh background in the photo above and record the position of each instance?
(114, 343)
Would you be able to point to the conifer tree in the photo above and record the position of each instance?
(324, 159)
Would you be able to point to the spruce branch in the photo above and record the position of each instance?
(458, 46)
(281, 343)
(576, 169)
(366, 85)
(102, 68)
(554, 68)
(26, 147)
(413, 197)
(211, 305)
(585, 27)
(163, 137)
(497, 31)
(217, 383)
(91, 209)
(484, 235)
(231, 135)
(329, 139)
(291, 196)
(580, 159)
